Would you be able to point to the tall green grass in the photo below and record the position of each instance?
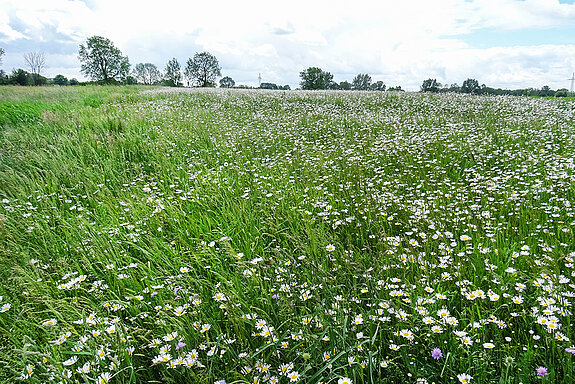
(284, 236)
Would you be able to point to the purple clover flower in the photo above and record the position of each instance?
(436, 353)
(541, 371)
(180, 344)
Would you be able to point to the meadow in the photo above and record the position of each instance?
(244, 236)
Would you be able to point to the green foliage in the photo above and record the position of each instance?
(316, 78)
(345, 85)
(268, 86)
(430, 85)
(20, 77)
(203, 69)
(227, 82)
(102, 61)
(361, 82)
(378, 86)
(60, 80)
(173, 74)
(470, 86)
(147, 73)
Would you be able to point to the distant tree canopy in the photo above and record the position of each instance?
(147, 73)
(22, 77)
(203, 69)
(102, 61)
(268, 86)
(430, 85)
(361, 82)
(345, 85)
(173, 74)
(316, 78)
(60, 80)
(227, 82)
(377, 86)
(470, 86)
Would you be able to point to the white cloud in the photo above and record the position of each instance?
(400, 43)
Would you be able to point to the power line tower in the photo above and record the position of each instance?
(260, 81)
(572, 82)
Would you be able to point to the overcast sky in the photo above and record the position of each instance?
(501, 43)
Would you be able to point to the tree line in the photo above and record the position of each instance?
(104, 63)
(472, 86)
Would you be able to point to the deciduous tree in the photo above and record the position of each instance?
(361, 82)
(378, 86)
(316, 78)
(173, 74)
(60, 80)
(36, 61)
(430, 85)
(203, 69)
(102, 61)
(227, 82)
(470, 86)
(147, 73)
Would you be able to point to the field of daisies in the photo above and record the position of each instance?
(244, 236)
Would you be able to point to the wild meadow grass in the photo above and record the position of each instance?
(227, 236)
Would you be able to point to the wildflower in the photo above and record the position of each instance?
(541, 371)
(330, 248)
(464, 378)
(29, 371)
(436, 329)
(220, 297)
(293, 376)
(345, 380)
(436, 353)
(104, 378)
(179, 311)
(50, 322)
(358, 319)
(488, 345)
(170, 336)
(70, 361)
(162, 358)
(5, 307)
(406, 333)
